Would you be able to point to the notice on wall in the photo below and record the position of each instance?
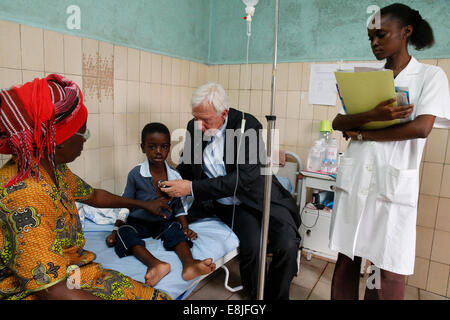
(322, 82)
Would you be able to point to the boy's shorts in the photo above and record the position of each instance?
(132, 233)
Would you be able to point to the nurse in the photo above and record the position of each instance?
(378, 182)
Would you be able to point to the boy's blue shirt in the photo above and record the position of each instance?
(140, 186)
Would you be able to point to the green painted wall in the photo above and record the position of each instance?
(214, 32)
(178, 28)
(312, 30)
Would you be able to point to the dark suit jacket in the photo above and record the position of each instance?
(250, 190)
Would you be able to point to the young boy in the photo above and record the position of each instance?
(167, 220)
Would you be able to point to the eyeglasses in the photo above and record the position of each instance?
(85, 135)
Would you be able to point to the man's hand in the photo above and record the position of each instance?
(177, 188)
(155, 206)
(387, 111)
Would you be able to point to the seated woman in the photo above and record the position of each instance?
(43, 125)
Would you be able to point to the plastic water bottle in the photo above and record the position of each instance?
(329, 163)
(324, 167)
(325, 130)
(315, 156)
(325, 135)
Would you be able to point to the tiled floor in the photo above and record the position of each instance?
(312, 283)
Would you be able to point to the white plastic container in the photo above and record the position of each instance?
(329, 162)
(315, 156)
(325, 135)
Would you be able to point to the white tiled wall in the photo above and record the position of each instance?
(125, 88)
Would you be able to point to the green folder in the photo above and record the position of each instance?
(363, 91)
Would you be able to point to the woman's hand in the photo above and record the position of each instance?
(387, 111)
(190, 234)
(111, 239)
(350, 135)
(155, 206)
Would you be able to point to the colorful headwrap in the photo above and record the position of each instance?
(36, 115)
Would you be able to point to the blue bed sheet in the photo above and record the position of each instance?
(215, 239)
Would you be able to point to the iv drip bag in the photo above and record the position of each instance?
(250, 8)
(250, 3)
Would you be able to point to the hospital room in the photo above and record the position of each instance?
(227, 150)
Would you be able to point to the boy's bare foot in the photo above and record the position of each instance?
(156, 273)
(198, 268)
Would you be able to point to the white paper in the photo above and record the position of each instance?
(322, 82)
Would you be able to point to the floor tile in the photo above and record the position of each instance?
(411, 293)
(310, 272)
(426, 295)
(322, 291)
(240, 295)
(212, 287)
(212, 290)
(315, 275)
(298, 292)
(328, 273)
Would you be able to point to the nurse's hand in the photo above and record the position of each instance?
(387, 111)
(350, 135)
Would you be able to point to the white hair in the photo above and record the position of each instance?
(214, 93)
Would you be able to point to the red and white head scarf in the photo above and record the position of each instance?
(36, 115)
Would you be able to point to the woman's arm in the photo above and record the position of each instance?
(420, 127)
(384, 111)
(104, 199)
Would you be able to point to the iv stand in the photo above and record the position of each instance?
(268, 168)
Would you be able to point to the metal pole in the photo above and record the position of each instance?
(268, 182)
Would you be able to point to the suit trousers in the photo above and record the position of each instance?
(283, 244)
(345, 283)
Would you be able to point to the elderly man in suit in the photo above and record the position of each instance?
(223, 170)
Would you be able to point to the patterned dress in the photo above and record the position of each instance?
(41, 241)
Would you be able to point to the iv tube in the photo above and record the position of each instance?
(250, 11)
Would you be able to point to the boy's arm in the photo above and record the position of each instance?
(190, 234)
(183, 221)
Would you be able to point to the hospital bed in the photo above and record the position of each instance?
(215, 240)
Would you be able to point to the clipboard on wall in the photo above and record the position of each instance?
(363, 90)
